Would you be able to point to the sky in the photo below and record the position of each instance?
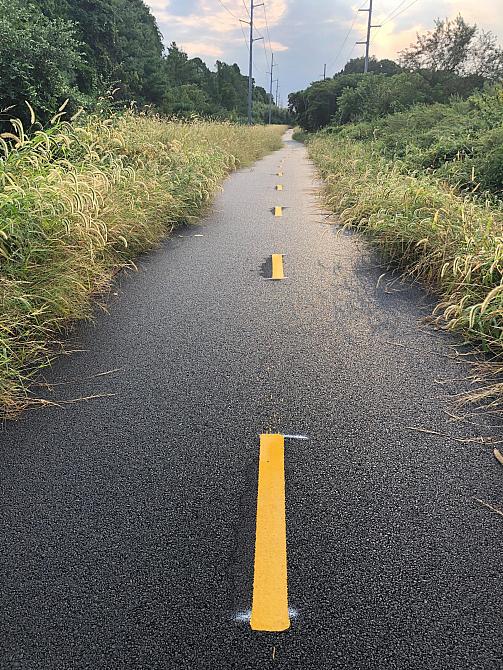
(306, 34)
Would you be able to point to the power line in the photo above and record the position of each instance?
(344, 41)
(240, 26)
(267, 28)
(367, 41)
(395, 13)
(265, 53)
(248, 48)
(273, 65)
(229, 11)
(243, 33)
(253, 39)
(246, 8)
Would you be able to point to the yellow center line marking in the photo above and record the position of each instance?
(278, 211)
(279, 174)
(279, 187)
(277, 266)
(270, 581)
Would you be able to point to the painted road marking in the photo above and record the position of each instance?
(279, 187)
(278, 211)
(279, 174)
(277, 266)
(270, 580)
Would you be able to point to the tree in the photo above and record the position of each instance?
(377, 95)
(317, 106)
(454, 46)
(486, 58)
(81, 49)
(385, 66)
(40, 61)
(186, 100)
(122, 45)
(232, 88)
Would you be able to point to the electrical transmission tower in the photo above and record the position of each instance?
(367, 41)
(253, 6)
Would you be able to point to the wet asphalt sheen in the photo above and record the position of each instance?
(127, 521)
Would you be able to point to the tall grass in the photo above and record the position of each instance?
(78, 201)
(452, 243)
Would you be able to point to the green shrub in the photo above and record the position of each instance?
(40, 62)
(461, 141)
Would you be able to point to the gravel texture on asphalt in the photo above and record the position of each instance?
(127, 521)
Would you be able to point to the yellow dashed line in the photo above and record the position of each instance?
(270, 581)
(277, 266)
(278, 211)
(279, 187)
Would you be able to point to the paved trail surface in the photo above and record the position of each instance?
(128, 522)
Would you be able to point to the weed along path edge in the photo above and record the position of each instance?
(148, 528)
(102, 192)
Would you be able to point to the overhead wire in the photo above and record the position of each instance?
(400, 4)
(267, 26)
(231, 13)
(350, 30)
(395, 13)
(228, 10)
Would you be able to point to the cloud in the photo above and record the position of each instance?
(305, 34)
(277, 47)
(200, 49)
(217, 17)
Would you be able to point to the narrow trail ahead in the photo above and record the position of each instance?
(128, 521)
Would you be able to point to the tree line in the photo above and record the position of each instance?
(94, 52)
(455, 59)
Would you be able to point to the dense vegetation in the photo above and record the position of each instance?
(87, 50)
(461, 142)
(453, 60)
(420, 170)
(78, 201)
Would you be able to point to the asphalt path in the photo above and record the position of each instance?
(128, 520)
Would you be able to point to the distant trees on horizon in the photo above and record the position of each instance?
(453, 60)
(91, 51)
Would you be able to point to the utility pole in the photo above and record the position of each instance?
(273, 65)
(367, 42)
(253, 6)
(277, 91)
(324, 72)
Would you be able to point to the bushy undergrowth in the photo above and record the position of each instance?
(79, 201)
(453, 244)
(461, 142)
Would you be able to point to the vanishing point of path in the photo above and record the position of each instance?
(128, 521)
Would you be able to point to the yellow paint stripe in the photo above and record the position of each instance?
(279, 174)
(279, 187)
(270, 581)
(277, 266)
(278, 211)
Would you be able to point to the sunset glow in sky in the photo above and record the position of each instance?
(306, 34)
